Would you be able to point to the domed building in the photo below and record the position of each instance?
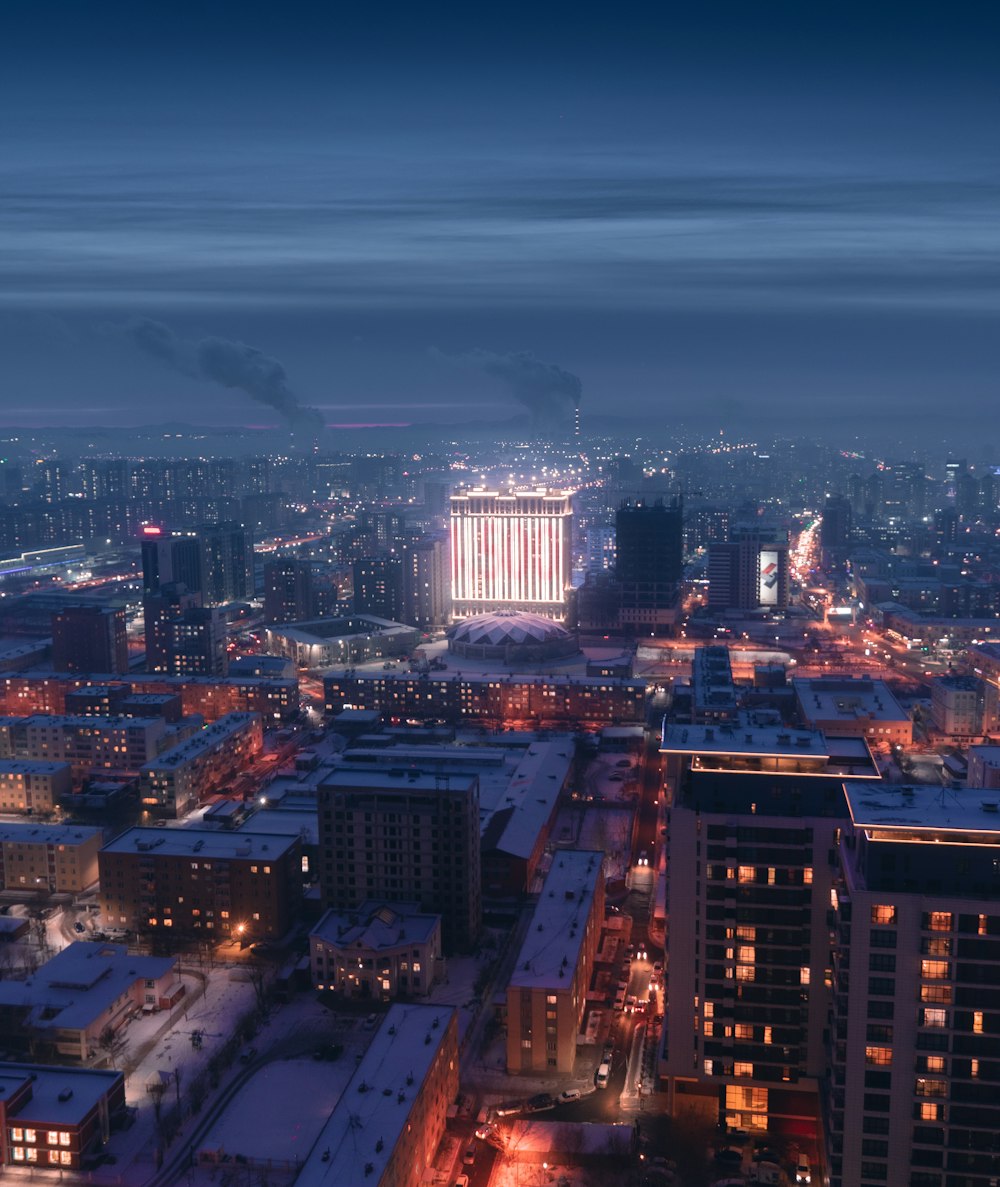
(513, 637)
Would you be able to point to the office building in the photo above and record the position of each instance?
(511, 550)
(202, 883)
(90, 639)
(912, 1097)
(288, 591)
(649, 541)
(170, 559)
(547, 991)
(749, 570)
(403, 836)
(352, 639)
(388, 1124)
(378, 952)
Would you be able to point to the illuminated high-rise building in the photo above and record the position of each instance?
(511, 550)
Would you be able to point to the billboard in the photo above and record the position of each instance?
(770, 574)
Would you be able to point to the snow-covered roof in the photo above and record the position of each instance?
(59, 1095)
(366, 1125)
(206, 843)
(81, 983)
(551, 947)
(376, 926)
(508, 627)
(23, 833)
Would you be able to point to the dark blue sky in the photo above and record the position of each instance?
(758, 213)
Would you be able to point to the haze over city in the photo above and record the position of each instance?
(499, 595)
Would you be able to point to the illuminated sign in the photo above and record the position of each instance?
(770, 575)
(150, 530)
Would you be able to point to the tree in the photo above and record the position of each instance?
(114, 1044)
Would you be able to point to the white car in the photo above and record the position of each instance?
(803, 1170)
(643, 858)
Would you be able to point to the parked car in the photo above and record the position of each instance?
(248, 1054)
(570, 1094)
(803, 1170)
(370, 1022)
(469, 1157)
(541, 1100)
(462, 1181)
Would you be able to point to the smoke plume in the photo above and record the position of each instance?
(229, 364)
(546, 390)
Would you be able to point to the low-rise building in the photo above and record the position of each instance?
(325, 642)
(181, 778)
(984, 767)
(209, 883)
(33, 787)
(547, 992)
(380, 951)
(386, 1128)
(88, 744)
(64, 1010)
(49, 858)
(55, 1117)
(844, 707)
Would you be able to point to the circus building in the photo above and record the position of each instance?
(513, 637)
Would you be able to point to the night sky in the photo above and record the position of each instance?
(766, 215)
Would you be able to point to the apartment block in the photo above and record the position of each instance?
(914, 1093)
(33, 787)
(547, 992)
(49, 858)
(387, 1126)
(202, 882)
(501, 698)
(403, 836)
(88, 744)
(184, 776)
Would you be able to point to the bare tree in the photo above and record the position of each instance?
(113, 1043)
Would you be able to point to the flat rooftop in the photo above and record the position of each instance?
(742, 740)
(395, 778)
(16, 833)
(206, 843)
(209, 738)
(923, 810)
(59, 1095)
(840, 698)
(551, 948)
(28, 766)
(366, 1124)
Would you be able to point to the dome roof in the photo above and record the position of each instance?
(509, 626)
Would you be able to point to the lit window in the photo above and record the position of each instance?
(709, 1028)
(747, 873)
(973, 1068)
(18, 1153)
(744, 1030)
(550, 998)
(935, 1063)
(748, 954)
(807, 876)
(64, 1138)
(709, 1067)
(935, 1017)
(742, 1069)
(880, 1056)
(977, 1022)
(883, 913)
(267, 869)
(709, 1009)
(771, 875)
(767, 1034)
(934, 970)
(804, 975)
(65, 1158)
(17, 1135)
(939, 921)
(745, 972)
